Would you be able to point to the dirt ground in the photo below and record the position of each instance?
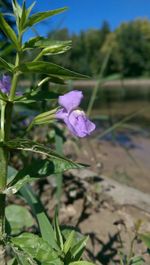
(110, 225)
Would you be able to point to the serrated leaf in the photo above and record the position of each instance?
(23, 220)
(37, 169)
(59, 162)
(8, 31)
(38, 17)
(9, 67)
(50, 69)
(37, 248)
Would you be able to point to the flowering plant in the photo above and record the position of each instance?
(51, 246)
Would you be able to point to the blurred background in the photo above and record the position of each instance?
(111, 45)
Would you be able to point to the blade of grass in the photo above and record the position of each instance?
(98, 84)
(38, 210)
(120, 123)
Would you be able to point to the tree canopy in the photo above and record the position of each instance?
(128, 45)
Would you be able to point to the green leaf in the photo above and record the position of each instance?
(37, 95)
(57, 231)
(38, 211)
(37, 169)
(146, 239)
(60, 163)
(3, 96)
(11, 174)
(8, 31)
(137, 260)
(23, 220)
(9, 67)
(54, 47)
(49, 46)
(17, 9)
(38, 17)
(37, 248)
(22, 257)
(28, 11)
(50, 69)
(45, 117)
(78, 249)
(69, 242)
(81, 263)
(23, 16)
(31, 43)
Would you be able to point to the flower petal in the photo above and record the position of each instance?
(80, 125)
(70, 100)
(5, 84)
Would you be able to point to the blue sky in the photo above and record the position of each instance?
(85, 14)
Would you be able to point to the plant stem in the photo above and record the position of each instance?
(6, 119)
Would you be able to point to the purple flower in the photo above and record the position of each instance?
(5, 84)
(75, 119)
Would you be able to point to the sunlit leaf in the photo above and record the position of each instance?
(8, 31)
(37, 248)
(53, 47)
(69, 242)
(50, 69)
(38, 17)
(78, 249)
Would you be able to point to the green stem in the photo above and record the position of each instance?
(6, 118)
(3, 104)
(15, 79)
(3, 174)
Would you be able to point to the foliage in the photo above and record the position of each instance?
(46, 247)
(130, 45)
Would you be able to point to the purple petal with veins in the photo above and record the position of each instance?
(76, 120)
